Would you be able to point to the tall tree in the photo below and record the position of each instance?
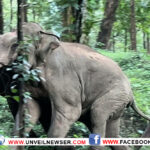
(84, 36)
(20, 125)
(20, 15)
(133, 26)
(67, 22)
(25, 11)
(107, 23)
(144, 40)
(78, 20)
(89, 18)
(1, 17)
(11, 14)
(72, 20)
(148, 43)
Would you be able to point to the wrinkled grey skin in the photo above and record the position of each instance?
(39, 106)
(81, 82)
(7, 55)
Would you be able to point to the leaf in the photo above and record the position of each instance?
(42, 79)
(140, 131)
(27, 95)
(14, 90)
(15, 76)
(36, 78)
(16, 98)
(8, 69)
(26, 63)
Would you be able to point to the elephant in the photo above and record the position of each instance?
(40, 101)
(81, 84)
(39, 107)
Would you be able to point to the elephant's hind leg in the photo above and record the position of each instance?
(109, 106)
(112, 131)
(98, 118)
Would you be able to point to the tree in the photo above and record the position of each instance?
(89, 18)
(107, 23)
(1, 17)
(71, 19)
(25, 11)
(78, 20)
(133, 26)
(11, 14)
(21, 124)
(20, 15)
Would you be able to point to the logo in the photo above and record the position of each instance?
(94, 139)
(2, 140)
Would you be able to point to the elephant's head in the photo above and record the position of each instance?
(47, 43)
(6, 41)
(41, 43)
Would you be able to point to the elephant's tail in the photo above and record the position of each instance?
(138, 111)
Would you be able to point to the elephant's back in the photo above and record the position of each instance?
(89, 60)
(99, 73)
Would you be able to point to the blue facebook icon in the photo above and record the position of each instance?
(94, 139)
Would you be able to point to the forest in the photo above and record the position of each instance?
(118, 29)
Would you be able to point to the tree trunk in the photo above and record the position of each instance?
(67, 22)
(133, 26)
(78, 21)
(148, 44)
(34, 14)
(125, 40)
(113, 42)
(25, 11)
(11, 14)
(20, 20)
(107, 23)
(144, 40)
(1, 17)
(72, 21)
(21, 124)
(85, 26)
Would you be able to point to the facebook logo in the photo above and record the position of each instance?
(94, 139)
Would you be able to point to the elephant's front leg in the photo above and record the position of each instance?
(62, 119)
(33, 110)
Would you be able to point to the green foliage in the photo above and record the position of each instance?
(6, 120)
(78, 130)
(137, 67)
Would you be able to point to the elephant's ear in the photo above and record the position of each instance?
(49, 41)
(54, 45)
(12, 52)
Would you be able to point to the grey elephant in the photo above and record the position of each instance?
(39, 106)
(81, 82)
